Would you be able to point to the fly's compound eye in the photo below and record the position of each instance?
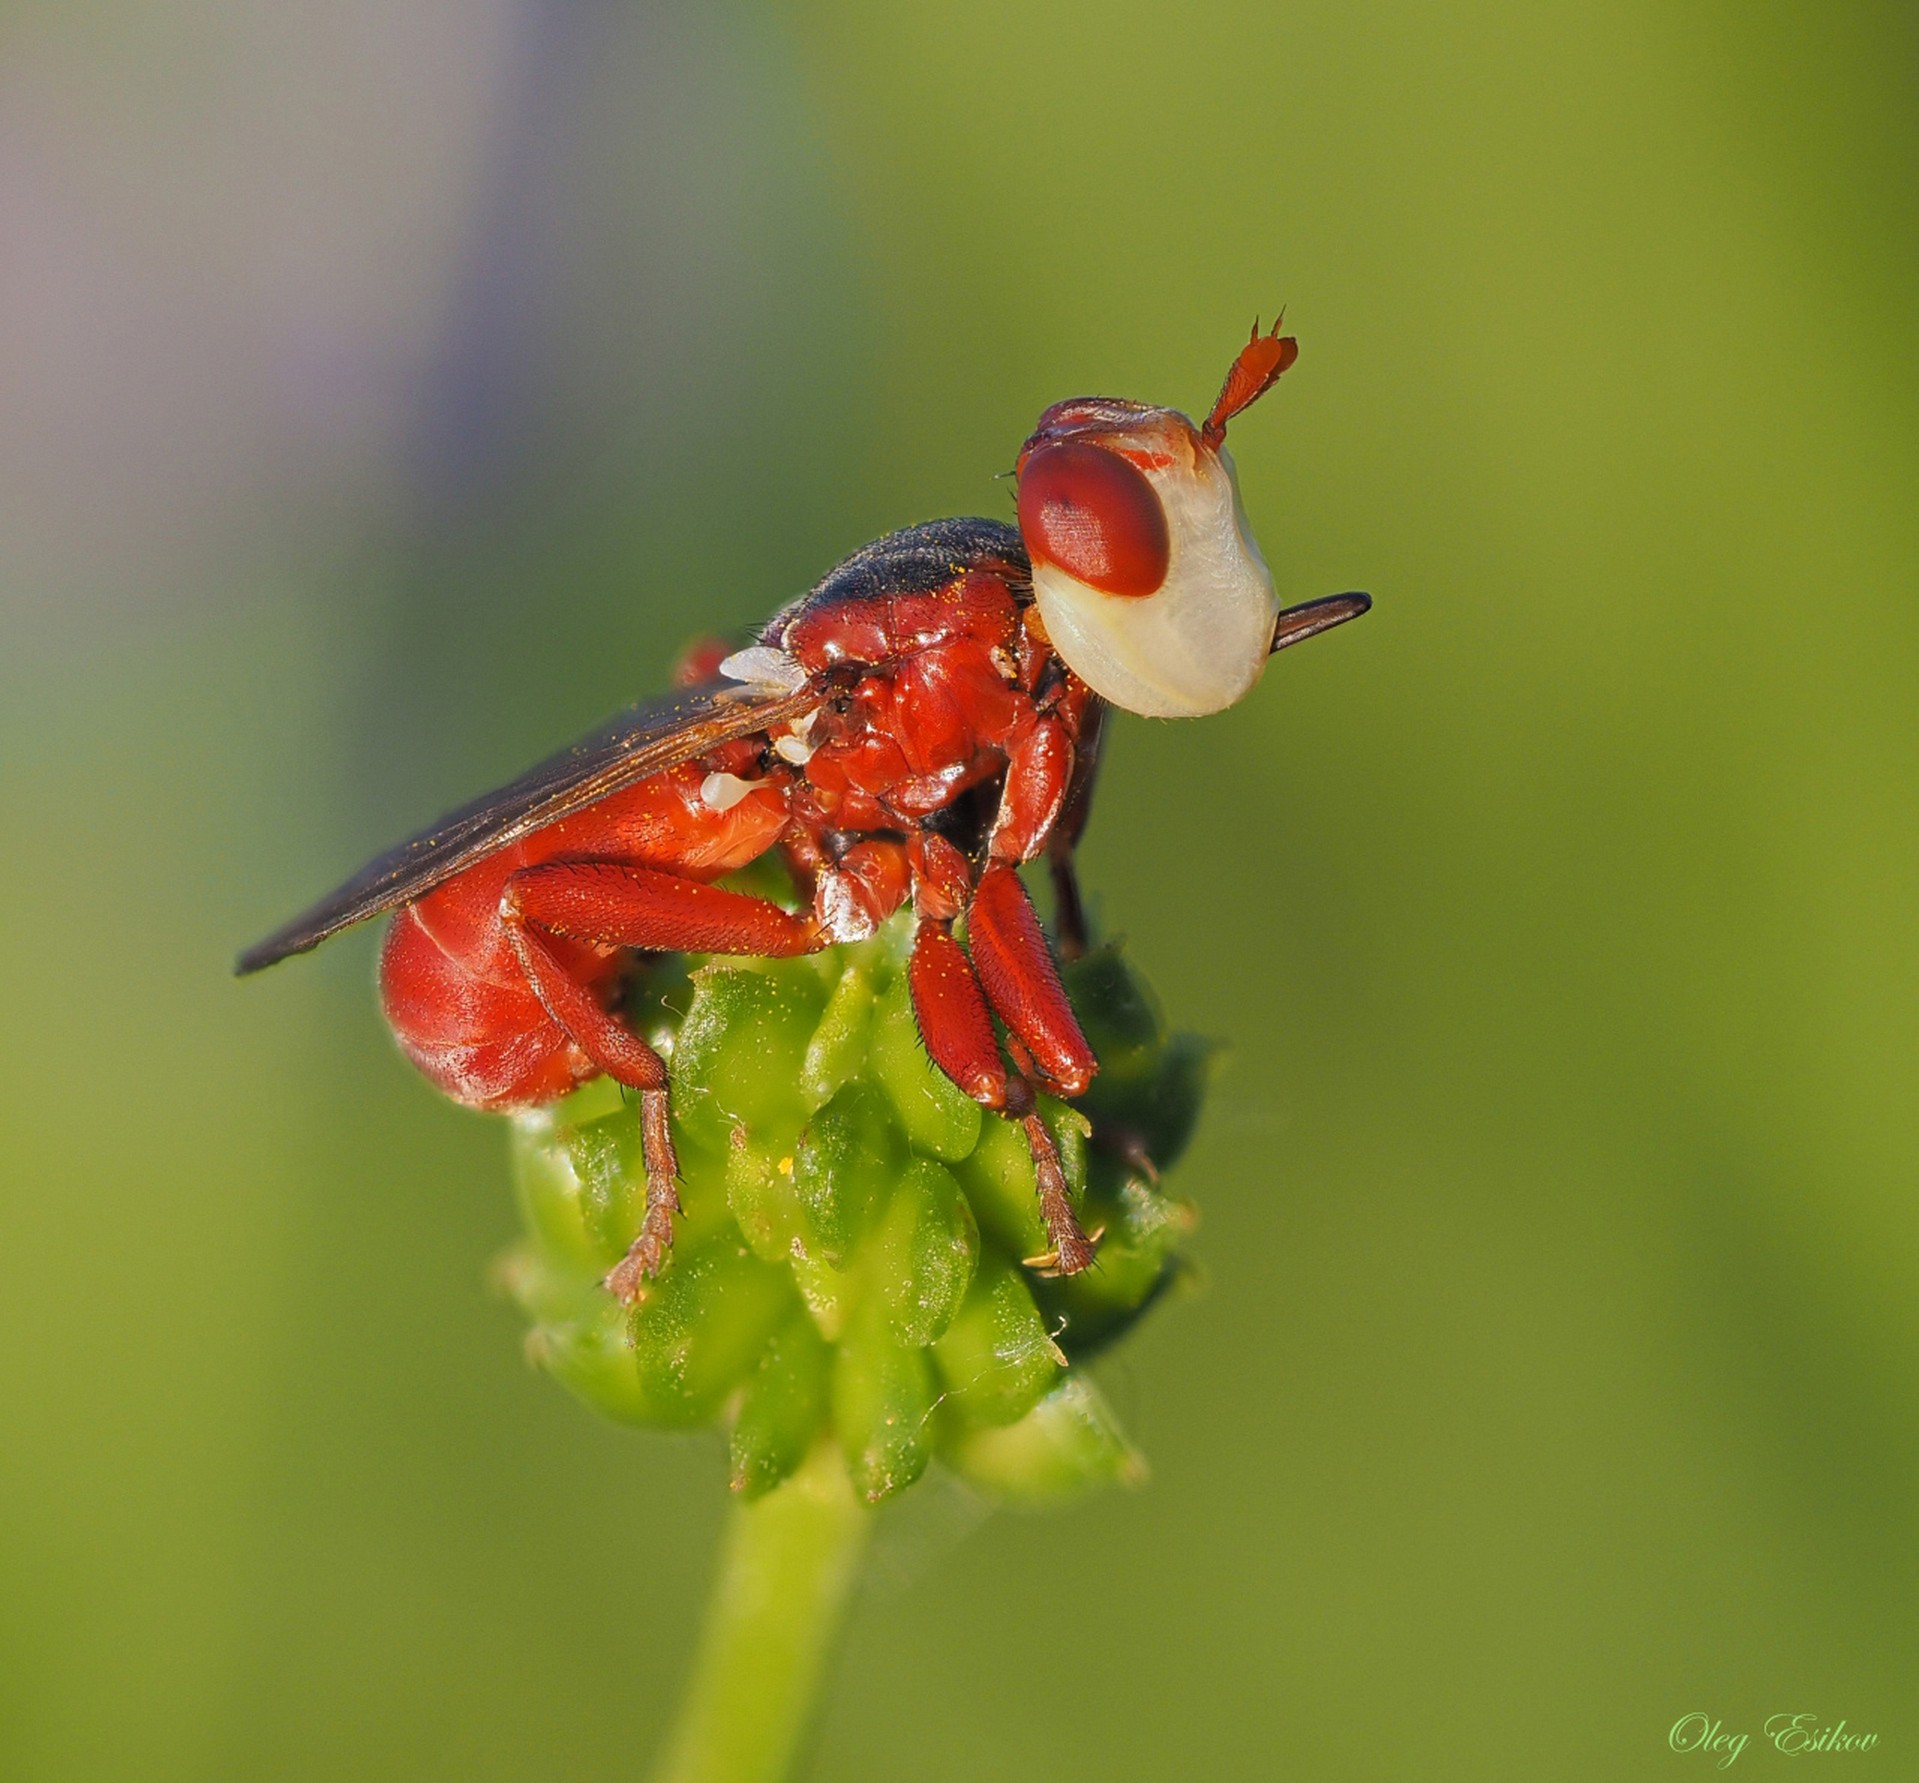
(1095, 516)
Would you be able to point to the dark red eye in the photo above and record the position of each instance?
(1094, 516)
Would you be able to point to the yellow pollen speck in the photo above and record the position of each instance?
(785, 1166)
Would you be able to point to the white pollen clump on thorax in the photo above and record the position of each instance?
(721, 792)
(794, 749)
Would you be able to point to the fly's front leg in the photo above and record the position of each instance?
(1016, 970)
(957, 1027)
(958, 1031)
(1069, 910)
(612, 905)
(1039, 773)
(1008, 946)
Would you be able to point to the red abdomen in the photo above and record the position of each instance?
(453, 991)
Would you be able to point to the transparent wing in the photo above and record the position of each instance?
(645, 739)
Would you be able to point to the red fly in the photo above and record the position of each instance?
(917, 727)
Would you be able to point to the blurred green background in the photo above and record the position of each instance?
(387, 390)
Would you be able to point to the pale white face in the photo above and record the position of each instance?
(1197, 639)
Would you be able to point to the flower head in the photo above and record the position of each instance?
(853, 1258)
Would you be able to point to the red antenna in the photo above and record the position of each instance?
(1254, 372)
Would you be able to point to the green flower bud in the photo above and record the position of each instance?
(851, 1262)
(883, 1399)
(1162, 1111)
(924, 1255)
(1066, 1445)
(1140, 1234)
(941, 1121)
(763, 1198)
(673, 1360)
(996, 1358)
(1000, 1183)
(783, 1407)
(848, 1159)
(567, 1193)
(736, 1060)
(838, 1047)
(1150, 1083)
(1120, 1015)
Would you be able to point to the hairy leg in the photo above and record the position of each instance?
(614, 905)
(958, 1030)
(1022, 983)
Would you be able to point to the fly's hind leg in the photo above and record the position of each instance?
(613, 905)
(627, 1059)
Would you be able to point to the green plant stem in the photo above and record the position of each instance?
(786, 1565)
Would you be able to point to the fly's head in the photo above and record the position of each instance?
(1144, 569)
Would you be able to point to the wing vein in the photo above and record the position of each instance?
(646, 739)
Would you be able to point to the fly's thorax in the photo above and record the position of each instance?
(908, 591)
(912, 736)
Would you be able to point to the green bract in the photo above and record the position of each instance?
(851, 1255)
